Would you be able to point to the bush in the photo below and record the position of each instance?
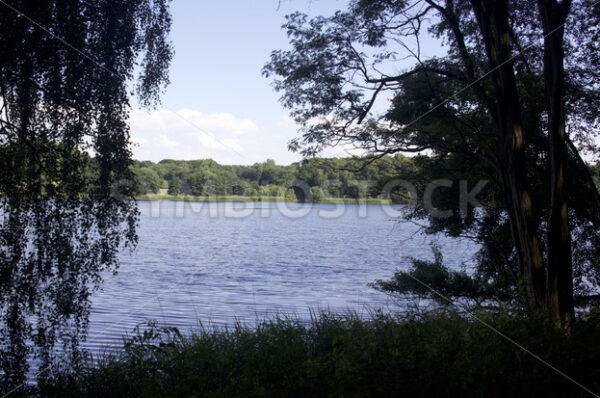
(438, 354)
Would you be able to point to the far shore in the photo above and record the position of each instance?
(240, 198)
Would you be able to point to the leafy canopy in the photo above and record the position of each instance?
(341, 69)
(65, 76)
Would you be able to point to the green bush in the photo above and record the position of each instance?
(433, 355)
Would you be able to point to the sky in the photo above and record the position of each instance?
(216, 84)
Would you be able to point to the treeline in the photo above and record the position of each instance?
(311, 179)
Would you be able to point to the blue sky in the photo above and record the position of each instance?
(216, 83)
(220, 49)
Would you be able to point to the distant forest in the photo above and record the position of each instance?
(319, 178)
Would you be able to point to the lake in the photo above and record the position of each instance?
(218, 262)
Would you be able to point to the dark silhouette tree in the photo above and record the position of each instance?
(479, 110)
(65, 71)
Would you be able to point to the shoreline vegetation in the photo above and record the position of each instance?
(241, 198)
(344, 355)
(316, 180)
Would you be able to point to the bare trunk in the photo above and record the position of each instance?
(493, 22)
(560, 266)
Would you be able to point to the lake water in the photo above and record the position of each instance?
(217, 262)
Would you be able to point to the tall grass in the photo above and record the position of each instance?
(444, 354)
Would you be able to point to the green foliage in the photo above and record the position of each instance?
(290, 195)
(430, 355)
(325, 178)
(63, 214)
(174, 186)
(433, 280)
(147, 181)
(339, 71)
(316, 194)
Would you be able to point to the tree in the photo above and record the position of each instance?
(316, 194)
(174, 186)
(477, 108)
(65, 71)
(434, 281)
(147, 180)
(290, 195)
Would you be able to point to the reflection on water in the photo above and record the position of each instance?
(216, 262)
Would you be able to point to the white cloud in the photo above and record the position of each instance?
(219, 122)
(233, 144)
(287, 121)
(190, 134)
(165, 141)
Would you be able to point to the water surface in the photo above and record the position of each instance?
(217, 262)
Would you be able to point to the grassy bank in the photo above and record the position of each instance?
(240, 198)
(438, 355)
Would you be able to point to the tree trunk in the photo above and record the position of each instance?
(560, 266)
(492, 18)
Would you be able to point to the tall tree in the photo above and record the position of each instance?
(553, 16)
(65, 71)
(477, 108)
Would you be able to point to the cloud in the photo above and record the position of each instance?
(189, 134)
(220, 122)
(165, 141)
(287, 121)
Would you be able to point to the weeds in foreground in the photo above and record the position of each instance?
(436, 354)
